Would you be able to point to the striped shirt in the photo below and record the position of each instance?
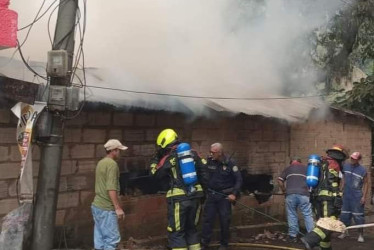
(295, 178)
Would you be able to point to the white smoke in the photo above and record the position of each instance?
(231, 48)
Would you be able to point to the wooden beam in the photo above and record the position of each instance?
(18, 90)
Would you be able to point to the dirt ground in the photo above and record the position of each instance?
(280, 240)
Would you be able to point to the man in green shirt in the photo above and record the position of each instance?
(106, 209)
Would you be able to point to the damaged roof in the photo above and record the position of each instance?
(293, 110)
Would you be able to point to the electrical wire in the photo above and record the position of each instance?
(26, 64)
(49, 20)
(80, 55)
(38, 18)
(204, 97)
(32, 24)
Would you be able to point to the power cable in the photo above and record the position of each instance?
(80, 54)
(32, 24)
(204, 97)
(38, 18)
(49, 19)
(252, 209)
(26, 64)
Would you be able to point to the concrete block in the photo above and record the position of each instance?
(72, 135)
(262, 147)
(255, 135)
(100, 118)
(144, 150)
(9, 170)
(115, 134)
(87, 166)
(4, 115)
(134, 135)
(145, 120)
(94, 135)
(60, 217)
(3, 189)
(81, 151)
(100, 151)
(8, 135)
(151, 135)
(4, 153)
(168, 120)
(63, 184)
(199, 135)
(274, 146)
(123, 119)
(78, 121)
(8, 205)
(77, 182)
(15, 155)
(66, 200)
(69, 167)
(65, 152)
(86, 197)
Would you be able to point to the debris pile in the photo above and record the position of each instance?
(265, 237)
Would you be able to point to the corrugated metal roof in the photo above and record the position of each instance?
(293, 110)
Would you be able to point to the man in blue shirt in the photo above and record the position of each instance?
(355, 188)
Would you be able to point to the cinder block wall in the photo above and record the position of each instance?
(261, 145)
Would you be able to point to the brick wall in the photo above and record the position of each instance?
(262, 145)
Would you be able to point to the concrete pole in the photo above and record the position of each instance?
(52, 145)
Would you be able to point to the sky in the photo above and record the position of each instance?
(220, 48)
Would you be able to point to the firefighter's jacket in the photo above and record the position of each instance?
(329, 181)
(168, 165)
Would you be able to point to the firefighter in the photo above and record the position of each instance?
(225, 181)
(184, 199)
(326, 198)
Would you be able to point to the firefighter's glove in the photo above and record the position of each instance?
(338, 202)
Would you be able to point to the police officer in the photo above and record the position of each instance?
(326, 197)
(183, 202)
(224, 186)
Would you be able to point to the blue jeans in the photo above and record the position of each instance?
(106, 232)
(294, 202)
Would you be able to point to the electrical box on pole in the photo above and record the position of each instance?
(63, 98)
(57, 63)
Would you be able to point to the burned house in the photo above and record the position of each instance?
(261, 145)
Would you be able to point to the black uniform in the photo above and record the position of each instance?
(327, 202)
(184, 206)
(224, 179)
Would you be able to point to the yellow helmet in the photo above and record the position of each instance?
(166, 137)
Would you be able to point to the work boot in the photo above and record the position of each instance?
(204, 246)
(292, 239)
(343, 235)
(361, 238)
(306, 244)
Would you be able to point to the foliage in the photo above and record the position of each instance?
(360, 98)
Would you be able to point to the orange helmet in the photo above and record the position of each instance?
(337, 152)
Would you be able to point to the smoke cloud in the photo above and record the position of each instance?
(230, 48)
